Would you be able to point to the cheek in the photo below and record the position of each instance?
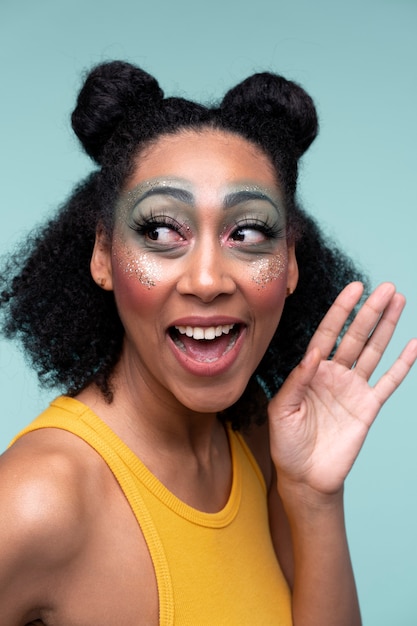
(269, 280)
(266, 287)
(270, 270)
(136, 280)
(139, 267)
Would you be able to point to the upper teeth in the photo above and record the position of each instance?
(197, 332)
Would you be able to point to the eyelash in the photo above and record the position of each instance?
(270, 231)
(144, 226)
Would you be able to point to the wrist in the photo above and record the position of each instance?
(302, 501)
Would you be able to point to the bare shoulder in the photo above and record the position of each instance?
(46, 500)
(47, 479)
(64, 524)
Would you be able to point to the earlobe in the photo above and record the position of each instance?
(292, 275)
(100, 264)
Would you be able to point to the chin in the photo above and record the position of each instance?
(209, 402)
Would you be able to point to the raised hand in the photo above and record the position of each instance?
(320, 417)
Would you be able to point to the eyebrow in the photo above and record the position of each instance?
(179, 194)
(231, 199)
(237, 197)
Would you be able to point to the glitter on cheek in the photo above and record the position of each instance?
(139, 266)
(266, 270)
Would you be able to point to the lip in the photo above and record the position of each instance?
(214, 368)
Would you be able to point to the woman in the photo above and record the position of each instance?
(176, 293)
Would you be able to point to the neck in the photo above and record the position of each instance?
(187, 451)
(147, 421)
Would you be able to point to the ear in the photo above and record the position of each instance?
(100, 264)
(292, 273)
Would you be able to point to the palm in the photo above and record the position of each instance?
(321, 416)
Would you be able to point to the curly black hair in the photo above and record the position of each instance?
(69, 327)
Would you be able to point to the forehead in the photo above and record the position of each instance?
(203, 157)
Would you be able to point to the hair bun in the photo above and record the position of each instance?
(274, 96)
(110, 90)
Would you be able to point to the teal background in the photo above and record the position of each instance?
(358, 61)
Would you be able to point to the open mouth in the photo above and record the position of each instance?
(207, 344)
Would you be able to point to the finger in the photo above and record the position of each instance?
(380, 337)
(333, 322)
(391, 380)
(359, 331)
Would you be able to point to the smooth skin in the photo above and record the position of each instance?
(71, 550)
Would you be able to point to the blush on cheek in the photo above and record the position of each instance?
(135, 290)
(267, 270)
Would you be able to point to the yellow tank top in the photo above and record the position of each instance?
(211, 569)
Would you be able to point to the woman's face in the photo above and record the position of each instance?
(199, 265)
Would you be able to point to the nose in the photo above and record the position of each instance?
(207, 274)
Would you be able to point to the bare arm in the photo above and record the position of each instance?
(318, 423)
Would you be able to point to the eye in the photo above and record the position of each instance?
(249, 235)
(160, 231)
(253, 233)
(161, 234)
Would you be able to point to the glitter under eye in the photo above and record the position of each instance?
(266, 270)
(142, 268)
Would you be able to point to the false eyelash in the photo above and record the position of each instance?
(271, 231)
(144, 225)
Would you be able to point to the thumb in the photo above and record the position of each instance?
(293, 391)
